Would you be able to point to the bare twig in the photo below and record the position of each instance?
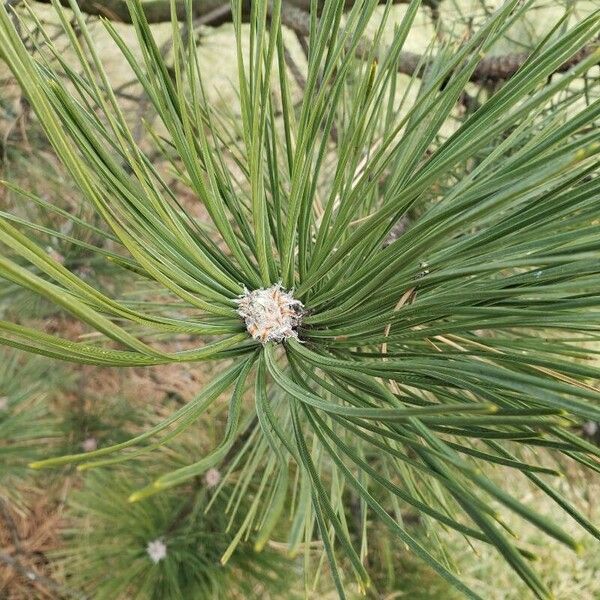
(159, 11)
(294, 68)
(500, 68)
(156, 11)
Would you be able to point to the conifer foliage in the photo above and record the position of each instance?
(359, 368)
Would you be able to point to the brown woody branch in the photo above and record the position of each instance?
(492, 69)
(159, 11)
(295, 15)
(501, 68)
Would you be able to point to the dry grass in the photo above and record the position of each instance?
(26, 536)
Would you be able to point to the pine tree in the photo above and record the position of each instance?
(363, 367)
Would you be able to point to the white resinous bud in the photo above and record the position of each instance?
(156, 550)
(271, 314)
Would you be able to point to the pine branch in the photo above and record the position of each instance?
(498, 265)
(295, 16)
(156, 11)
(159, 11)
(490, 70)
(501, 68)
